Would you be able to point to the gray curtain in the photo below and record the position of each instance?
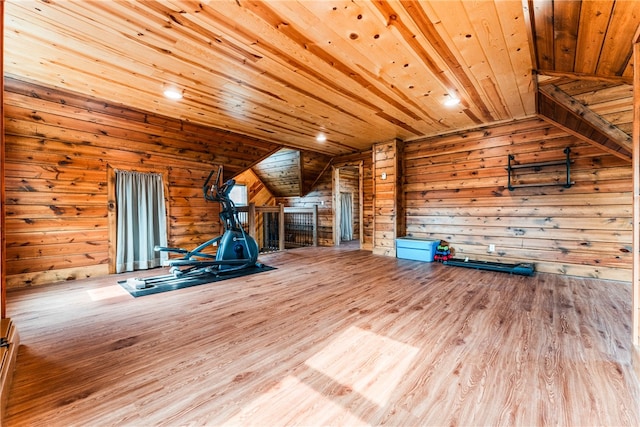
(346, 216)
(142, 221)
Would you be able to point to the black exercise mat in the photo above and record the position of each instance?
(523, 269)
(165, 283)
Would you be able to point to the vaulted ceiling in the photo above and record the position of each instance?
(582, 54)
(358, 72)
(285, 71)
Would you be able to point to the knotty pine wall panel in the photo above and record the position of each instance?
(362, 161)
(59, 150)
(312, 165)
(367, 202)
(389, 220)
(455, 189)
(321, 195)
(259, 195)
(350, 183)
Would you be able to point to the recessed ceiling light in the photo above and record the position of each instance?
(173, 94)
(321, 137)
(450, 102)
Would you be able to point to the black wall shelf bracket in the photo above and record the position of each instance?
(537, 166)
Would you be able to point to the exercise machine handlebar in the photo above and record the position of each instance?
(215, 193)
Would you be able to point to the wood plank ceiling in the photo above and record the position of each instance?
(285, 71)
(359, 72)
(582, 55)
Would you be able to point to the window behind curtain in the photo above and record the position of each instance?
(239, 195)
(141, 221)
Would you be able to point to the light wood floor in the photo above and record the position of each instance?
(332, 337)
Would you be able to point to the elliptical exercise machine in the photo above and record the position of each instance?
(236, 249)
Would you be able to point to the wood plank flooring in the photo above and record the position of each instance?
(334, 336)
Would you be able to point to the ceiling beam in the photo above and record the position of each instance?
(603, 126)
(584, 76)
(623, 155)
(257, 161)
(329, 163)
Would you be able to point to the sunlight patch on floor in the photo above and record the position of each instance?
(293, 402)
(106, 292)
(370, 364)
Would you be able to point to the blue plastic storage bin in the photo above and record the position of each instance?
(416, 249)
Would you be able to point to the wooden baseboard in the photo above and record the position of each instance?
(8, 355)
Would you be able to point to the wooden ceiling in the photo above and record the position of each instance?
(601, 118)
(285, 71)
(583, 38)
(582, 55)
(291, 173)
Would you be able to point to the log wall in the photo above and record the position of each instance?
(389, 220)
(59, 149)
(367, 200)
(321, 194)
(350, 183)
(363, 161)
(312, 166)
(259, 195)
(455, 188)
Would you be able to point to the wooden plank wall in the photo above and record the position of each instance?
(312, 166)
(259, 195)
(321, 195)
(455, 189)
(388, 206)
(364, 159)
(349, 183)
(58, 150)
